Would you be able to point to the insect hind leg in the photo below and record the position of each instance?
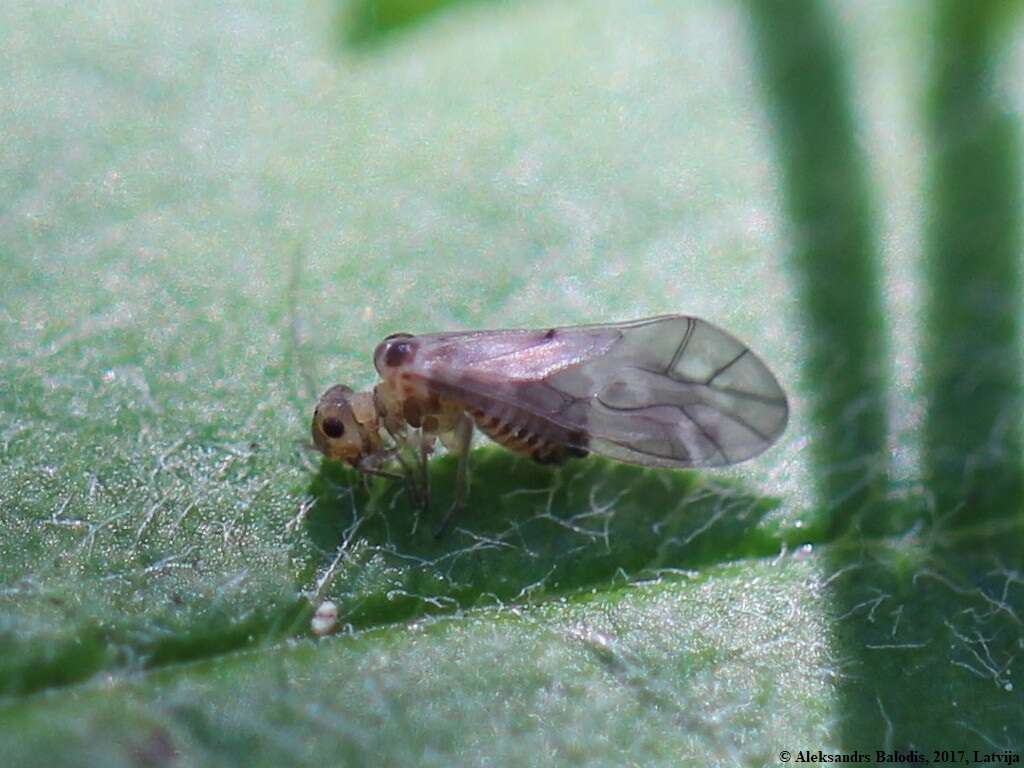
(559, 453)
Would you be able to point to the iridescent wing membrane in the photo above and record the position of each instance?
(671, 391)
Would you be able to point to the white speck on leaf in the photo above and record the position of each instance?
(325, 619)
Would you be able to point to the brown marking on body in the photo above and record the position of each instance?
(412, 414)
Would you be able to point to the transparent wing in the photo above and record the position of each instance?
(668, 391)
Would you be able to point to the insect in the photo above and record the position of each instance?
(669, 391)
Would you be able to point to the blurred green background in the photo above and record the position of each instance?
(210, 213)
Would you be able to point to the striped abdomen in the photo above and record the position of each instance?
(524, 433)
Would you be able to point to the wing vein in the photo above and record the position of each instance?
(703, 431)
(690, 325)
(718, 372)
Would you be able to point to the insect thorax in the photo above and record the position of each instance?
(403, 400)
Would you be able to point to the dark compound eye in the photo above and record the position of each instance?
(333, 428)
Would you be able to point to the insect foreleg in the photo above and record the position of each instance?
(370, 465)
(420, 444)
(461, 438)
(403, 442)
(382, 473)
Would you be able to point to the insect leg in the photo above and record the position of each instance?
(381, 473)
(426, 448)
(370, 465)
(402, 443)
(463, 434)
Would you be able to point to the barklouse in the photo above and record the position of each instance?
(670, 391)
